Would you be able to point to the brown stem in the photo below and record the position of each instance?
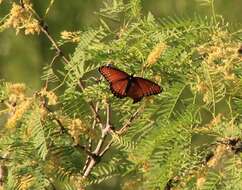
(57, 48)
(122, 130)
(105, 131)
(88, 159)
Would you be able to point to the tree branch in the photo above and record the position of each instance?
(122, 130)
(90, 141)
(96, 152)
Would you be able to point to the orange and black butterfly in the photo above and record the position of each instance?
(125, 85)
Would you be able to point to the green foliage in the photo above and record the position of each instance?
(187, 137)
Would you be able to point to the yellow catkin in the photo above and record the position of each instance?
(16, 17)
(200, 181)
(22, 18)
(16, 92)
(71, 36)
(78, 181)
(17, 89)
(219, 152)
(146, 166)
(216, 121)
(77, 128)
(200, 86)
(65, 35)
(32, 27)
(17, 115)
(52, 98)
(156, 53)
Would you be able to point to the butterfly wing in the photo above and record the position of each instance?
(141, 87)
(117, 79)
(119, 88)
(135, 92)
(113, 74)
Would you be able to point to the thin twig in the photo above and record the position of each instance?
(88, 152)
(44, 29)
(96, 152)
(122, 130)
(106, 148)
(57, 48)
(81, 84)
(51, 64)
(104, 131)
(92, 107)
(88, 159)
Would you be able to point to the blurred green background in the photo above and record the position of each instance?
(22, 57)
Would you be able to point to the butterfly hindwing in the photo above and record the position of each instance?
(141, 87)
(134, 91)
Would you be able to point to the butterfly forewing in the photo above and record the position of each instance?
(112, 74)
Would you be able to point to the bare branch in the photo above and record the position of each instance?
(122, 130)
(96, 152)
(106, 148)
(90, 141)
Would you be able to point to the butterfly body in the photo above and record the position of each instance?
(125, 85)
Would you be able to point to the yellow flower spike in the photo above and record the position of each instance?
(52, 98)
(156, 53)
(20, 110)
(16, 17)
(219, 152)
(65, 35)
(22, 18)
(76, 128)
(215, 121)
(16, 89)
(201, 86)
(71, 36)
(157, 78)
(200, 181)
(32, 27)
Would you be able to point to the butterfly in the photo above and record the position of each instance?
(125, 85)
